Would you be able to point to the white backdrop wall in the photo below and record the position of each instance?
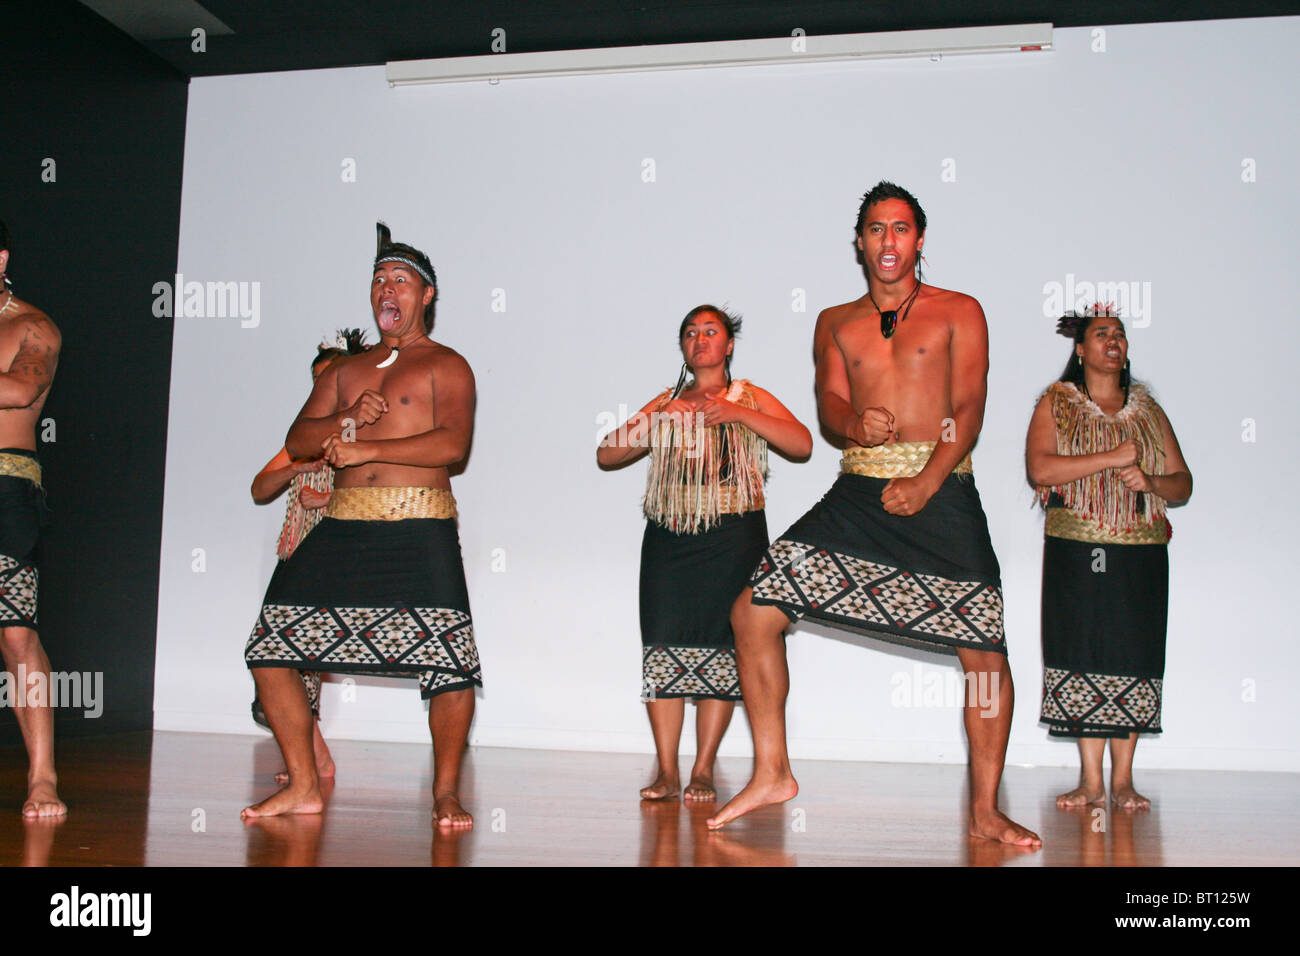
(574, 221)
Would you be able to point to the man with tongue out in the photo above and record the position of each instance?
(899, 548)
(378, 587)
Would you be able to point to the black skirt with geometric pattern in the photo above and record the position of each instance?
(688, 584)
(22, 515)
(372, 597)
(1105, 609)
(928, 580)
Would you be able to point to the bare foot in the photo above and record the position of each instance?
(665, 787)
(1126, 798)
(998, 826)
(1084, 796)
(43, 800)
(287, 800)
(757, 793)
(700, 789)
(448, 812)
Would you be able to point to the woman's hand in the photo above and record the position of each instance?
(1126, 453)
(719, 411)
(311, 499)
(1135, 479)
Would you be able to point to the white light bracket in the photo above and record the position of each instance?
(692, 56)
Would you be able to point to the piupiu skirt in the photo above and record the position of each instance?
(688, 584)
(1105, 609)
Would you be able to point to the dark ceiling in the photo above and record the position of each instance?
(269, 35)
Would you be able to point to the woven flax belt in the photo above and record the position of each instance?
(20, 466)
(390, 504)
(729, 504)
(903, 459)
(1064, 523)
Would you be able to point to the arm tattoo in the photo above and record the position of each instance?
(33, 358)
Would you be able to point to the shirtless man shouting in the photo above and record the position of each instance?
(378, 586)
(899, 548)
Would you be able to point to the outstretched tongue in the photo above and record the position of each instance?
(388, 317)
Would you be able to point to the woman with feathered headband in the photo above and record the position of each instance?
(310, 485)
(1105, 460)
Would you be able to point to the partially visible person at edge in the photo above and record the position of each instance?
(705, 529)
(1106, 463)
(29, 354)
(310, 482)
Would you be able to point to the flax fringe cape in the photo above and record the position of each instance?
(1082, 428)
(691, 464)
(298, 521)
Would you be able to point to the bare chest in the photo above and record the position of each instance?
(916, 350)
(406, 387)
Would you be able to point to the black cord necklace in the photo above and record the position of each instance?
(889, 320)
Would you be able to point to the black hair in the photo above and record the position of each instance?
(886, 190)
(354, 343)
(731, 321)
(1074, 326)
(384, 246)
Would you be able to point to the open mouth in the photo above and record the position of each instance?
(388, 316)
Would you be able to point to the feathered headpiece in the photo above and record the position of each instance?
(388, 251)
(1073, 322)
(348, 341)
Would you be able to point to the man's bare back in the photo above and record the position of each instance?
(29, 354)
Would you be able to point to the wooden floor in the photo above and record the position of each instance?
(171, 799)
